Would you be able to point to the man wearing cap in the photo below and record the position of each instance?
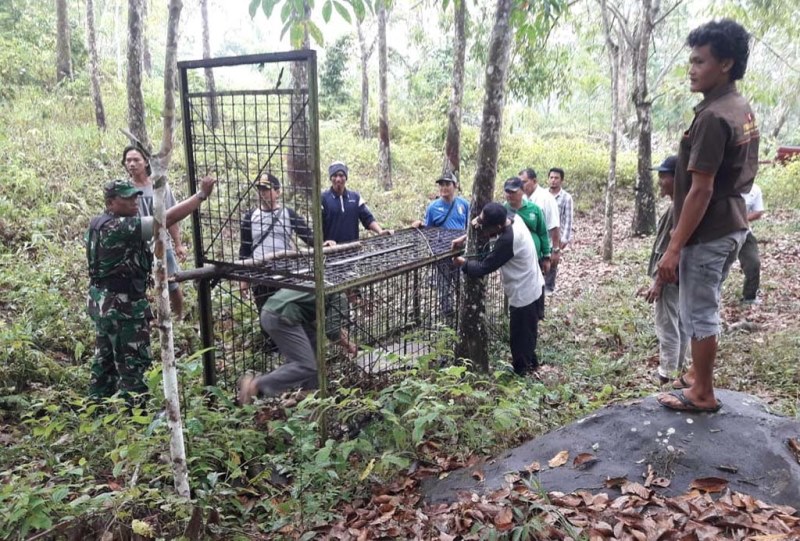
(268, 229)
(672, 340)
(542, 198)
(448, 211)
(342, 209)
(564, 200)
(515, 255)
(120, 261)
(717, 162)
(533, 217)
(137, 163)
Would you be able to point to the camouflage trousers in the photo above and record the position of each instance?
(121, 357)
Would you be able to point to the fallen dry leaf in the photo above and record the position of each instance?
(533, 467)
(478, 476)
(709, 484)
(794, 447)
(559, 460)
(615, 482)
(636, 489)
(504, 520)
(583, 461)
(660, 482)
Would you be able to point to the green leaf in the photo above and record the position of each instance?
(445, 4)
(286, 12)
(342, 10)
(358, 9)
(326, 11)
(253, 7)
(296, 35)
(315, 32)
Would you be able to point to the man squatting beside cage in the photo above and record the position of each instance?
(672, 339)
(289, 317)
(515, 255)
(137, 164)
(120, 261)
(717, 162)
(448, 211)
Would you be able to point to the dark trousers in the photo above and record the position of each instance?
(297, 344)
(550, 277)
(524, 334)
(751, 267)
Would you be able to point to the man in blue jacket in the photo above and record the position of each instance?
(342, 209)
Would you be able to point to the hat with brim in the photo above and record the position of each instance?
(268, 181)
(446, 178)
(513, 185)
(121, 188)
(667, 166)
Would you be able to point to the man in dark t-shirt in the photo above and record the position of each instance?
(717, 161)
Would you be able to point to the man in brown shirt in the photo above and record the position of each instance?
(717, 161)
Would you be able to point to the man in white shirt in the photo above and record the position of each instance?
(514, 254)
(748, 256)
(541, 197)
(564, 200)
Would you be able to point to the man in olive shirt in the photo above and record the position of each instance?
(717, 161)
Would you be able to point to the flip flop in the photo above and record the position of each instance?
(682, 384)
(686, 404)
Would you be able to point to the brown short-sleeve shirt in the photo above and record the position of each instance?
(722, 141)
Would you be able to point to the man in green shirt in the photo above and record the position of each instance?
(289, 317)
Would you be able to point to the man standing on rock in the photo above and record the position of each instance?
(717, 162)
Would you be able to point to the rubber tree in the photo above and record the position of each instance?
(160, 163)
(365, 52)
(63, 52)
(384, 151)
(94, 68)
(613, 51)
(136, 109)
(473, 332)
(452, 144)
(211, 86)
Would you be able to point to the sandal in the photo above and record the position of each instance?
(681, 383)
(684, 404)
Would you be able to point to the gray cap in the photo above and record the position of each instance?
(337, 167)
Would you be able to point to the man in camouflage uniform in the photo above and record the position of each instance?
(120, 261)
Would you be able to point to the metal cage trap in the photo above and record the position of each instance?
(256, 129)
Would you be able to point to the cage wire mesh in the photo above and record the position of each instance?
(256, 131)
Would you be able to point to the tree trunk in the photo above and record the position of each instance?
(452, 146)
(94, 70)
(118, 37)
(644, 213)
(211, 86)
(364, 56)
(473, 337)
(63, 52)
(613, 57)
(160, 163)
(147, 59)
(136, 111)
(298, 165)
(384, 154)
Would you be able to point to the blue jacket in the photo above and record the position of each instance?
(340, 215)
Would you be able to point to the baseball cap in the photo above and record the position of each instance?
(513, 184)
(667, 166)
(494, 214)
(447, 177)
(120, 188)
(337, 167)
(268, 180)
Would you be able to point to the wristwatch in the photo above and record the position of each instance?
(556, 250)
(201, 196)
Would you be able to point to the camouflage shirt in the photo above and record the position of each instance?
(119, 258)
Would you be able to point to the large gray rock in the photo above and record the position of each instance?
(742, 443)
